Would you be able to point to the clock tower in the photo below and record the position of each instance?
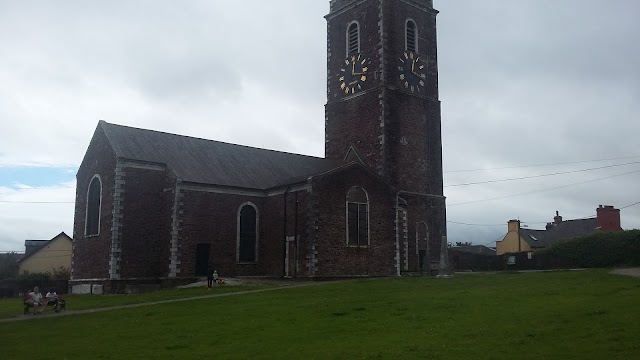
(383, 104)
(382, 90)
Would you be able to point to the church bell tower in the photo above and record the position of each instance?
(382, 90)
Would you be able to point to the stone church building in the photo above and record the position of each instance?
(160, 208)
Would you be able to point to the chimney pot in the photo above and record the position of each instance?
(557, 219)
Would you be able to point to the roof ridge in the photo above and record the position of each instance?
(590, 218)
(103, 122)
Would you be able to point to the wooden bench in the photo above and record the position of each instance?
(58, 305)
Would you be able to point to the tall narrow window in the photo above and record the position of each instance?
(353, 38)
(357, 217)
(94, 194)
(411, 34)
(247, 233)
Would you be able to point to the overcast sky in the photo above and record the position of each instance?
(522, 83)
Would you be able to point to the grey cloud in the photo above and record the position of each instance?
(522, 82)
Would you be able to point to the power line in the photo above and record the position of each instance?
(28, 187)
(501, 237)
(538, 165)
(544, 190)
(53, 256)
(628, 206)
(543, 175)
(467, 224)
(36, 202)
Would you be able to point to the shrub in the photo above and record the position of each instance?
(603, 249)
(9, 265)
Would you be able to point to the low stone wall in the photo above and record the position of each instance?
(126, 286)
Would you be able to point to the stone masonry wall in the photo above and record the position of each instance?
(334, 257)
(355, 119)
(91, 254)
(146, 223)
(212, 218)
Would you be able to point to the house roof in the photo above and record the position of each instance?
(42, 244)
(35, 243)
(563, 230)
(213, 162)
(475, 249)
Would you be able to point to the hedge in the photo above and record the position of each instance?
(604, 249)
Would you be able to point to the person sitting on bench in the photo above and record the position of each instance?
(54, 300)
(34, 299)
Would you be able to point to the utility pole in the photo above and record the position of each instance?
(519, 245)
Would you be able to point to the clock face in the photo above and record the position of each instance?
(412, 72)
(354, 73)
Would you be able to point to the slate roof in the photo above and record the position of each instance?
(564, 230)
(31, 246)
(475, 249)
(41, 244)
(213, 162)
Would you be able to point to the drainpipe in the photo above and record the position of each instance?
(284, 234)
(295, 234)
(519, 245)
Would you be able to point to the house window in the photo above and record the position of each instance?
(357, 217)
(353, 38)
(411, 37)
(247, 251)
(94, 198)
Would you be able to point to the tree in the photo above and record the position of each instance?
(9, 265)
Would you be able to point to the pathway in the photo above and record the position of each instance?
(629, 272)
(130, 306)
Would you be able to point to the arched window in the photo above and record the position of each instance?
(353, 38)
(411, 43)
(94, 198)
(247, 251)
(357, 217)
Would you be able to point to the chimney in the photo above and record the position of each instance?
(549, 226)
(608, 218)
(557, 219)
(512, 226)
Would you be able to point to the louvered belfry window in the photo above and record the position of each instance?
(411, 37)
(353, 39)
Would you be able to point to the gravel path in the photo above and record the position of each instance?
(629, 272)
(285, 285)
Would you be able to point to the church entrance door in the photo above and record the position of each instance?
(202, 259)
(423, 261)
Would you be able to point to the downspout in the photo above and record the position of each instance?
(284, 234)
(295, 234)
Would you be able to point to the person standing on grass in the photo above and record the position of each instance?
(215, 276)
(35, 300)
(209, 280)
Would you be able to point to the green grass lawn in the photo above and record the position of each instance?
(561, 315)
(13, 307)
